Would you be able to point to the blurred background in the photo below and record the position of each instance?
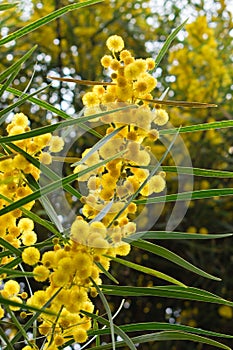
(198, 67)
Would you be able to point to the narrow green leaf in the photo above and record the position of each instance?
(17, 324)
(19, 102)
(50, 211)
(10, 302)
(43, 104)
(36, 315)
(44, 20)
(57, 126)
(16, 65)
(98, 145)
(117, 329)
(176, 259)
(35, 217)
(176, 292)
(198, 127)
(55, 185)
(198, 171)
(174, 235)
(16, 273)
(200, 194)
(13, 263)
(107, 273)
(9, 81)
(107, 308)
(4, 7)
(143, 184)
(147, 270)
(167, 43)
(5, 339)
(160, 326)
(44, 169)
(10, 247)
(166, 336)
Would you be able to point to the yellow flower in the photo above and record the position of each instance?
(80, 335)
(1, 312)
(90, 99)
(161, 117)
(45, 158)
(25, 225)
(11, 288)
(31, 256)
(20, 119)
(115, 43)
(29, 238)
(17, 300)
(56, 144)
(106, 61)
(41, 273)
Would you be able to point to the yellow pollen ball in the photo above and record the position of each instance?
(20, 119)
(124, 54)
(29, 238)
(45, 158)
(31, 256)
(161, 117)
(56, 144)
(106, 61)
(41, 273)
(11, 288)
(115, 43)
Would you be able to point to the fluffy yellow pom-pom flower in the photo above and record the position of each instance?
(115, 43)
(31, 256)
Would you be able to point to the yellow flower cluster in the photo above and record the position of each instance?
(69, 269)
(67, 272)
(131, 80)
(13, 185)
(198, 64)
(14, 168)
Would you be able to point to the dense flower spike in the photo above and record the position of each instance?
(68, 271)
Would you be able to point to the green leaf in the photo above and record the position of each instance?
(167, 43)
(44, 20)
(107, 273)
(107, 308)
(6, 6)
(34, 217)
(198, 127)
(143, 184)
(160, 326)
(10, 247)
(9, 81)
(57, 126)
(44, 169)
(19, 102)
(165, 336)
(36, 315)
(16, 273)
(117, 329)
(5, 339)
(174, 235)
(176, 292)
(98, 145)
(198, 171)
(146, 270)
(176, 259)
(199, 194)
(16, 65)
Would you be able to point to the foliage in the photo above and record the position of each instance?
(59, 272)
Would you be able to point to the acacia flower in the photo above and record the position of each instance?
(115, 43)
